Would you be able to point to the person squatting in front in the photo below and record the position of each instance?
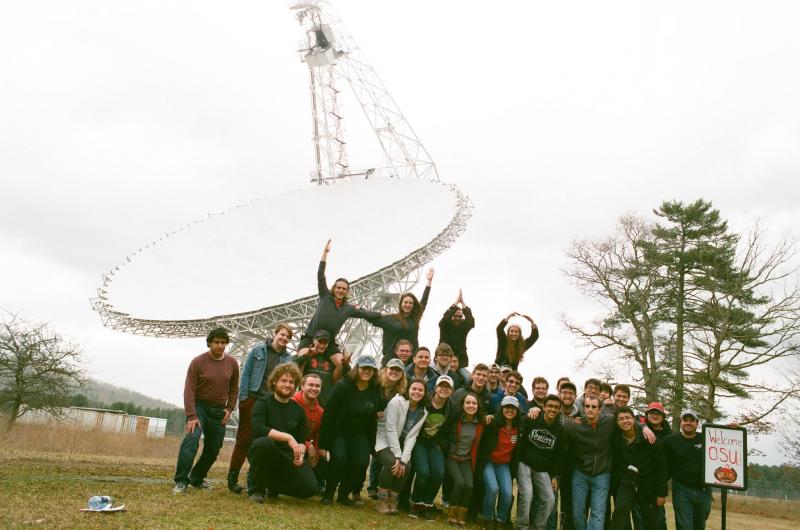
(278, 453)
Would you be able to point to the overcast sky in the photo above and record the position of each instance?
(121, 121)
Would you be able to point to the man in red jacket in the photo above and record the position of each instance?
(306, 397)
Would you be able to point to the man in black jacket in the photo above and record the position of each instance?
(541, 450)
(691, 499)
(639, 473)
(277, 453)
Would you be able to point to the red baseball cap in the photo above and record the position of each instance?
(655, 405)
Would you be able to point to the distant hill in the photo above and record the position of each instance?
(102, 392)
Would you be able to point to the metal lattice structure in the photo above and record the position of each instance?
(332, 56)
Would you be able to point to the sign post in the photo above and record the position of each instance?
(725, 461)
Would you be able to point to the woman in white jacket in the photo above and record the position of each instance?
(404, 417)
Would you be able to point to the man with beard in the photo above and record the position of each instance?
(278, 452)
(307, 397)
(454, 327)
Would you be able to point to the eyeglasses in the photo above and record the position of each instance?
(512, 382)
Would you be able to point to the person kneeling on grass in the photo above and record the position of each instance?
(404, 417)
(278, 452)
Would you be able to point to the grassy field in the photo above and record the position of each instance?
(45, 478)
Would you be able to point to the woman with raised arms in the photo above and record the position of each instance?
(405, 323)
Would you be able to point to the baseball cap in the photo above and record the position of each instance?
(365, 361)
(495, 366)
(691, 413)
(445, 379)
(395, 363)
(658, 407)
(505, 368)
(322, 335)
(510, 400)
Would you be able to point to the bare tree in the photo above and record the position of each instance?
(614, 272)
(38, 369)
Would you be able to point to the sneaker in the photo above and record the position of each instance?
(372, 494)
(180, 487)
(417, 510)
(357, 499)
(256, 498)
(444, 504)
(205, 485)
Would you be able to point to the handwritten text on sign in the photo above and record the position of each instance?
(725, 457)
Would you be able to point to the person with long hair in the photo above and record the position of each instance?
(497, 462)
(392, 381)
(462, 458)
(428, 457)
(404, 417)
(348, 430)
(511, 346)
(332, 311)
(404, 324)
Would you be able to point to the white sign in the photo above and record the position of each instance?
(725, 459)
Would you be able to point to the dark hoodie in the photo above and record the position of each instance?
(328, 315)
(542, 445)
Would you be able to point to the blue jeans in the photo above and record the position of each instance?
(496, 480)
(691, 507)
(595, 488)
(213, 432)
(428, 462)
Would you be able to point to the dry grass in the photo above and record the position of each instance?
(71, 441)
(47, 474)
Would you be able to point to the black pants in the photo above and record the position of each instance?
(386, 480)
(624, 498)
(271, 468)
(349, 462)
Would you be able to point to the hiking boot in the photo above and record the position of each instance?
(233, 479)
(180, 487)
(381, 506)
(256, 497)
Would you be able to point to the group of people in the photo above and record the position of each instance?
(418, 424)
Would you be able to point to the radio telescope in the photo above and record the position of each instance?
(266, 251)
